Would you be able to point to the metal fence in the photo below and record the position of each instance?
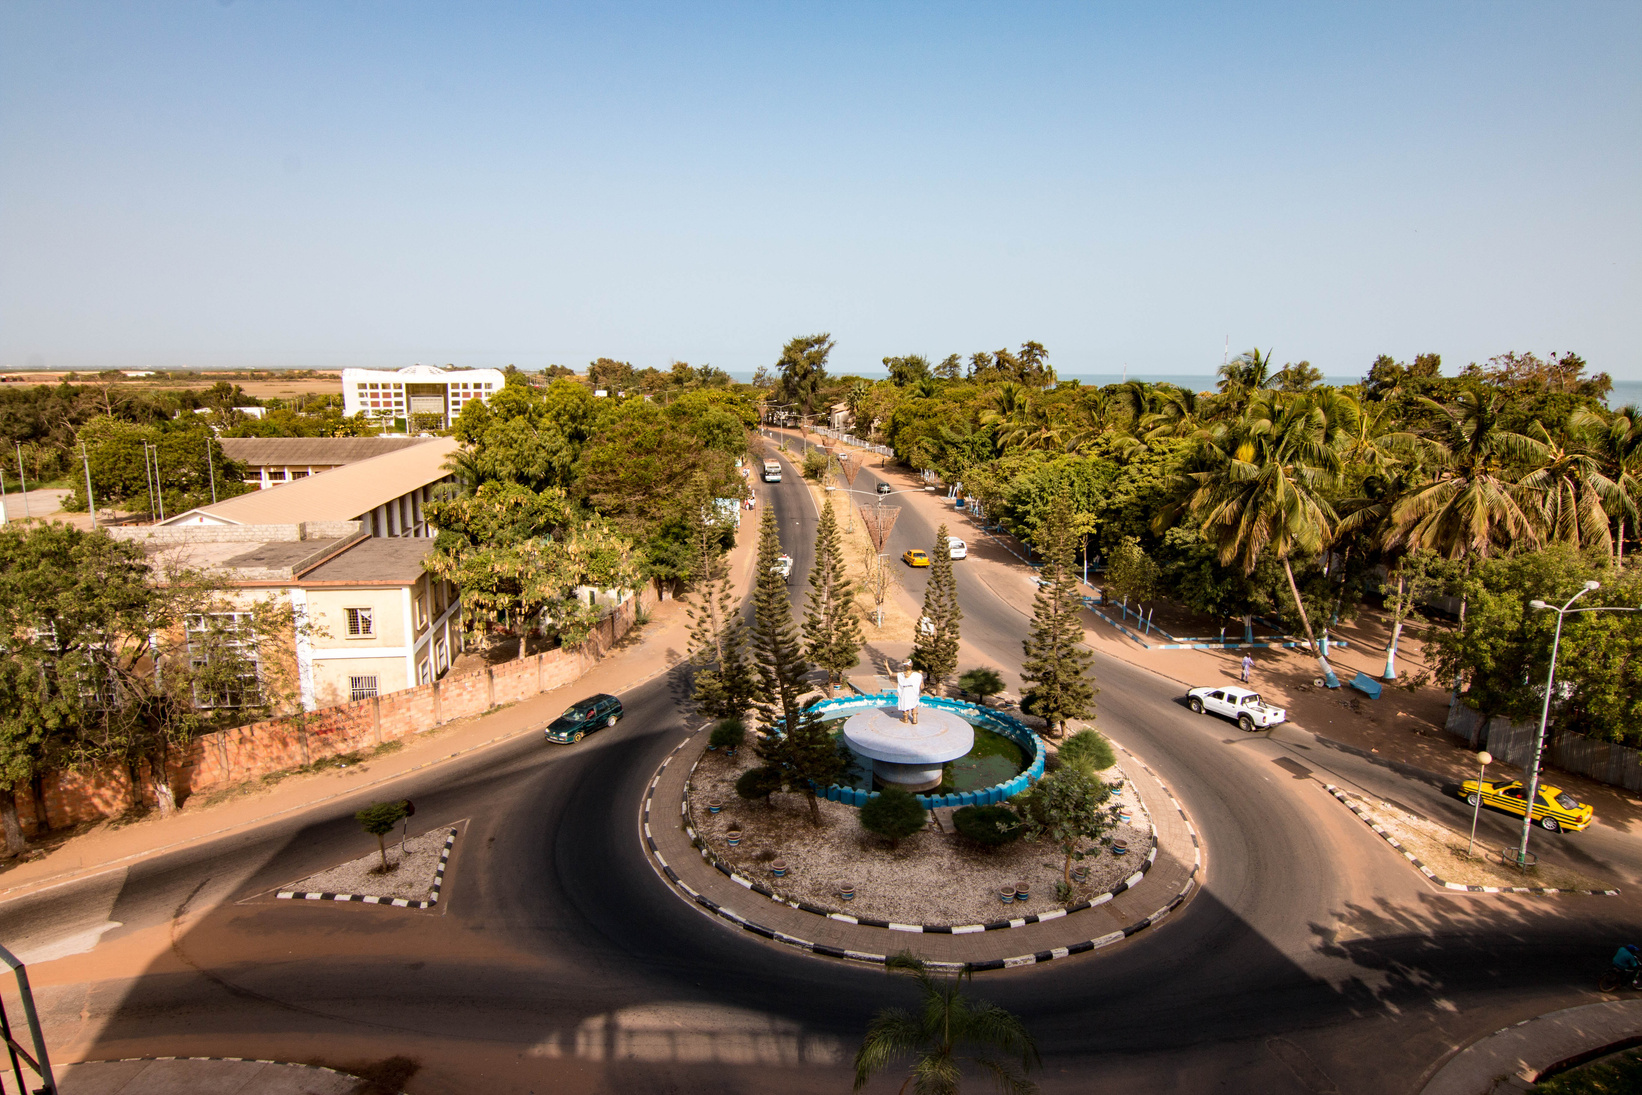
(1513, 742)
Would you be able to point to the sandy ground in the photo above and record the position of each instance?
(931, 877)
(411, 877)
(1443, 850)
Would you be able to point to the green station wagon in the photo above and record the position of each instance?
(584, 717)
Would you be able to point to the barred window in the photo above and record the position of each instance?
(359, 623)
(222, 649)
(361, 688)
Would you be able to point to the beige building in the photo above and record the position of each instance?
(272, 461)
(385, 493)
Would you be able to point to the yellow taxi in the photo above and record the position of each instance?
(912, 557)
(1556, 808)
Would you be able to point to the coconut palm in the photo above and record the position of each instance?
(1180, 413)
(1246, 374)
(1615, 441)
(1259, 487)
(1472, 505)
(1570, 488)
(856, 400)
(948, 1031)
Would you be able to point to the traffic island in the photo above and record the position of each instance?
(1010, 936)
(415, 876)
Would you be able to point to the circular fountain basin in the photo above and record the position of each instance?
(905, 754)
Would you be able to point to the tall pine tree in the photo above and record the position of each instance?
(832, 633)
(1056, 663)
(935, 650)
(804, 752)
(723, 686)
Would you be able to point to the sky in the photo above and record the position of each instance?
(317, 185)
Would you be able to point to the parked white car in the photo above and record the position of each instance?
(1239, 704)
(957, 548)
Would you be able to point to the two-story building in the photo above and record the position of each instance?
(272, 461)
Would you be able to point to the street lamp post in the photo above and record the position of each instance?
(1484, 759)
(1545, 709)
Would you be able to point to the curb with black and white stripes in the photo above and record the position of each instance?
(396, 902)
(1368, 819)
(247, 1060)
(827, 951)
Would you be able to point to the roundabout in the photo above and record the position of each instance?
(1126, 895)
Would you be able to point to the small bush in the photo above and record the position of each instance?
(990, 826)
(758, 783)
(815, 464)
(894, 814)
(728, 734)
(1088, 751)
(981, 682)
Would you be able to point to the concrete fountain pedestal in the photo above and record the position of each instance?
(905, 754)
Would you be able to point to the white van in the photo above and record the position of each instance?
(957, 548)
(772, 471)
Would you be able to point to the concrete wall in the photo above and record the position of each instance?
(1513, 742)
(247, 752)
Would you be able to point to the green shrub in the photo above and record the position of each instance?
(1088, 752)
(728, 734)
(815, 464)
(990, 826)
(894, 814)
(982, 683)
(758, 783)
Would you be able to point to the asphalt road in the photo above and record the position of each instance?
(1311, 962)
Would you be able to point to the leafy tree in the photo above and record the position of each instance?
(609, 374)
(832, 631)
(519, 556)
(381, 818)
(1056, 663)
(988, 826)
(946, 1033)
(1068, 808)
(981, 682)
(186, 454)
(1417, 576)
(935, 651)
(894, 813)
(815, 465)
(803, 365)
(907, 370)
(1088, 751)
(1130, 572)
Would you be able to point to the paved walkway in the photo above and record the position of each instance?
(1173, 877)
(202, 1076)
(1513, 1059)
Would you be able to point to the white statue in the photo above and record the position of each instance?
(908, 682)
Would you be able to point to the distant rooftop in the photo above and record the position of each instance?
(384, 560)
(298, 451)
(341, 494)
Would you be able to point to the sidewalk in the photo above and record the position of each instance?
(649, 651)
(1174, 876)
(205, 1076)
(1513, 1059)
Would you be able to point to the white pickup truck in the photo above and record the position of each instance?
(1240, 704)
(783, 566)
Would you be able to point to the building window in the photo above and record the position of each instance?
(441, 655)
(424, 673)
(360, 623)
(421, 612)
(222, 649)
(361, 688)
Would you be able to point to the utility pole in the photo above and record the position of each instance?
(91, 502)
(148, 483)
(22, 481)
(211, 466)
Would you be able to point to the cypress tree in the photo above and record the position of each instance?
(1056, 664)
(935, 651)
(804, 752)
(832, 633)
(723, 686)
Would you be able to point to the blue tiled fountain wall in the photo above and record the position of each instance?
(996, 721)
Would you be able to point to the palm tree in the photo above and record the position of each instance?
(937, 1036)
(1616, 444)
(1260, 487)
(856, 401)
(1571, 490)
(1246, 374)
(1181, 412)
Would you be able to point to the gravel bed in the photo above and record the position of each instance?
(412, 879)
(1443, 850)
(932, 877)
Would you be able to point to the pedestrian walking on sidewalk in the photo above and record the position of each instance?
(1248, 667)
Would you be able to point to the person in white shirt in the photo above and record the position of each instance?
(908, 682)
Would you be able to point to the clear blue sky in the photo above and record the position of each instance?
(327, 184)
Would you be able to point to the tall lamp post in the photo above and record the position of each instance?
(1545, 711)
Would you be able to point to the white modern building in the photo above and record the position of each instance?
(416, 389)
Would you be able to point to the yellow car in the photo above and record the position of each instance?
(1556, 808)
(912, 557)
